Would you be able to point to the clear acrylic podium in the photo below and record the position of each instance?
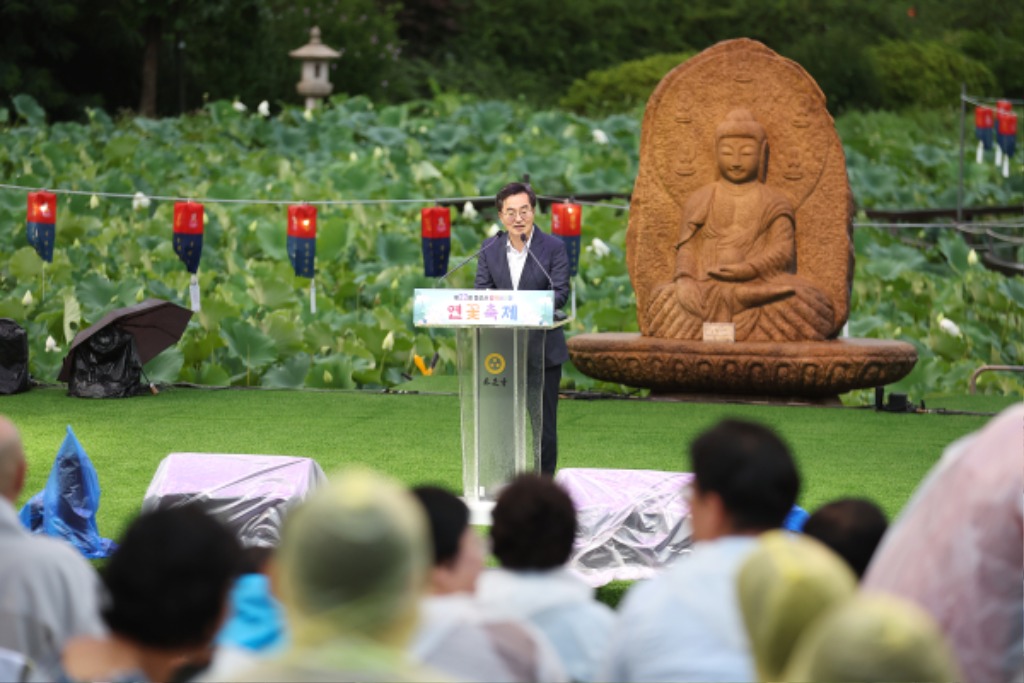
(500, 381)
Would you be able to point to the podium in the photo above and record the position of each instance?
(500, 381)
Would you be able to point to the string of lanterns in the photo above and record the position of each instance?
(994, 129)
(998, 126)
(301, 230)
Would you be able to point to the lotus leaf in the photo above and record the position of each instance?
(291, 374)
(255, 349)
(165, 367)
(29, 110)
(25, 265)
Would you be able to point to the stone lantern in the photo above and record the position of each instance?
(316, 82)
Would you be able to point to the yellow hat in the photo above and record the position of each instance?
(354, 560)
(786, 583)
(873, 638)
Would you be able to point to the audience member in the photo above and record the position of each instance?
(956, 549)
(167, 591)
(852, 527)
(532, 534)
(458, 551)
(49, 593)
(255, 627)
(351, 570)
(785, 584)
(871, 639)
(455, 636)
(685, 624)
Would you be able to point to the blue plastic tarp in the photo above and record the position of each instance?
(66, 507)
(796, 519)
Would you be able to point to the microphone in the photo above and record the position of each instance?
(487, 245)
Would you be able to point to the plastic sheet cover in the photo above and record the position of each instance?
(631, 522)
(13, 357)
(956, 549)
(106, 366)
(66, 507)
(251, 494)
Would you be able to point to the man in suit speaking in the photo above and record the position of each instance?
(524, 257)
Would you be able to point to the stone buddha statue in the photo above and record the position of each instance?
(736, 254)
(721, 231)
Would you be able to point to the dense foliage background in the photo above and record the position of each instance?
(452, 98)
(170, 56)
(256, 328)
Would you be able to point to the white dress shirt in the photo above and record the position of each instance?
(517, 259)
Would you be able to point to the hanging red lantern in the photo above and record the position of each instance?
(41, 223)
(188, 233)
(436, 237)
(984, 121)
(188, 242)
(302, 239)
(566, 224)
(1006, 137)
(1007, 124)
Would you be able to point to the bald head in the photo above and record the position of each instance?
(12, 461)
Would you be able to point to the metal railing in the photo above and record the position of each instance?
(973, 385)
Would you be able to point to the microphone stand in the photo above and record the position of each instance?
(572, 288)
(487, 245)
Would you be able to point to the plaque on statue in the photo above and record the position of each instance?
(719, 332)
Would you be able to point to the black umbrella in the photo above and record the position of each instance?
(156, 324)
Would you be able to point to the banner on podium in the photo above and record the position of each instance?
(483, 308)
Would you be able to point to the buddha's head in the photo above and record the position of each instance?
(740, 146)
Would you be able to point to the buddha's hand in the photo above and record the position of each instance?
(733, 272)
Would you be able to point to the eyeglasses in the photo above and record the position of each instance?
(524, 212)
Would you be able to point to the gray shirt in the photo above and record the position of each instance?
(49, 593)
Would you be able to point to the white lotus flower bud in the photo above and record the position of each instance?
(140, 201)
(389, 342)
(308, 114)
(972, 258)
(598, 248)
(950, 327)
(493, 230)
(600, 137)
(94, 201)
(469, 211)
(27, 300)
(328, 377)
(353, 157)
(264, 109)
(239, 106)
(51, 345)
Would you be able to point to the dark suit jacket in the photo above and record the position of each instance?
(492, 273)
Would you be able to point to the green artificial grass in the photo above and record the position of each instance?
(415, 436)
